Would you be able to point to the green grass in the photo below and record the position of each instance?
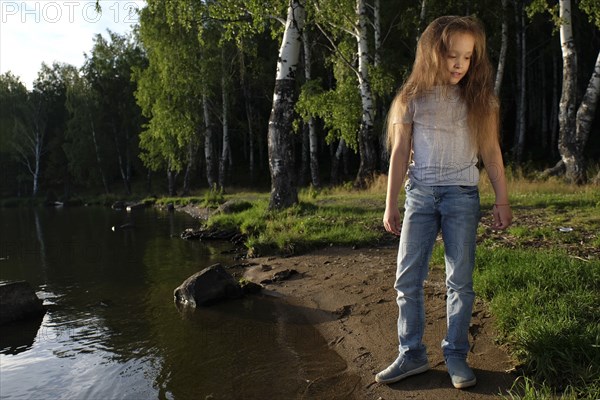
(547, 307)
(311, 224)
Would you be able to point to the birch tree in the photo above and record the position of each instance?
(283, 190)
(574, 123)
(42, 125)
(575, 120)
(312, 132)
(503, 48)
(350, 18)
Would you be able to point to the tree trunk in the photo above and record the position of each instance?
(208, 144)
(545, 130)
(34, 145)
(171, 178)
(503, 48)
(377, 31)
(191, 166)
(335, 162)
(122, 164)
(38, 151)
(570, 149)
(312, 132)
(554, 109)
(584, 120)
(303, 176)
(381, 111)
(519, 141)
(249, 115)
(283, 190)
(226, 149)
(422, 16)
(365, 136)
(99, 159)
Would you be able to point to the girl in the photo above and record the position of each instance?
(445, 116)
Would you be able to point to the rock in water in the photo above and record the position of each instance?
(18, 301)
(206, 287)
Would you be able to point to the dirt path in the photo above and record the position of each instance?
(357, 286)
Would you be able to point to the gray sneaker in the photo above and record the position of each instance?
(400, 369)
(462, 376)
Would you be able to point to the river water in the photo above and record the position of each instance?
(112, 331)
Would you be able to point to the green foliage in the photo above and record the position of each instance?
(170, 88)
(340, 109)
(108, 71)
(541, 7)
(13, 103)
(592, 9)
(383, 83)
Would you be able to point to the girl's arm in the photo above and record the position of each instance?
(398, 166)
(492, 159)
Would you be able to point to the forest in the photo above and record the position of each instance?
(278, 95)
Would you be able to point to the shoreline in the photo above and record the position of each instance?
(355, 286)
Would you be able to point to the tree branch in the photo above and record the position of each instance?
(336, 50)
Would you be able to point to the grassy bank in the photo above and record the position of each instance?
(541, 278)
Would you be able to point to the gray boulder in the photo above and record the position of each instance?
(18, 301)
(211, 285)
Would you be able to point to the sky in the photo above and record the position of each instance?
(36, 31)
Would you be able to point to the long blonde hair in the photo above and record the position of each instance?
(476, 87)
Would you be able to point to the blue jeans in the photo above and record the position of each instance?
(455, 210)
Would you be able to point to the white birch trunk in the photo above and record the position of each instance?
(365, 139)
(377, 31)
(422, 16)
(587, 109)
(38, 146)
(30, 145)
(503, 48)
(281, 160)
(567, 143)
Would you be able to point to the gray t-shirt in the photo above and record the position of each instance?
(443, 154)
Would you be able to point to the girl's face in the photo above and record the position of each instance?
(458, 57)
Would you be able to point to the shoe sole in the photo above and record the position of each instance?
(464, 385)
(405, 375)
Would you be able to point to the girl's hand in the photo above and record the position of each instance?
(391, 220)
(502, 216)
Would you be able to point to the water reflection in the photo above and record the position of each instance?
(112, 331)
(19, 336)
